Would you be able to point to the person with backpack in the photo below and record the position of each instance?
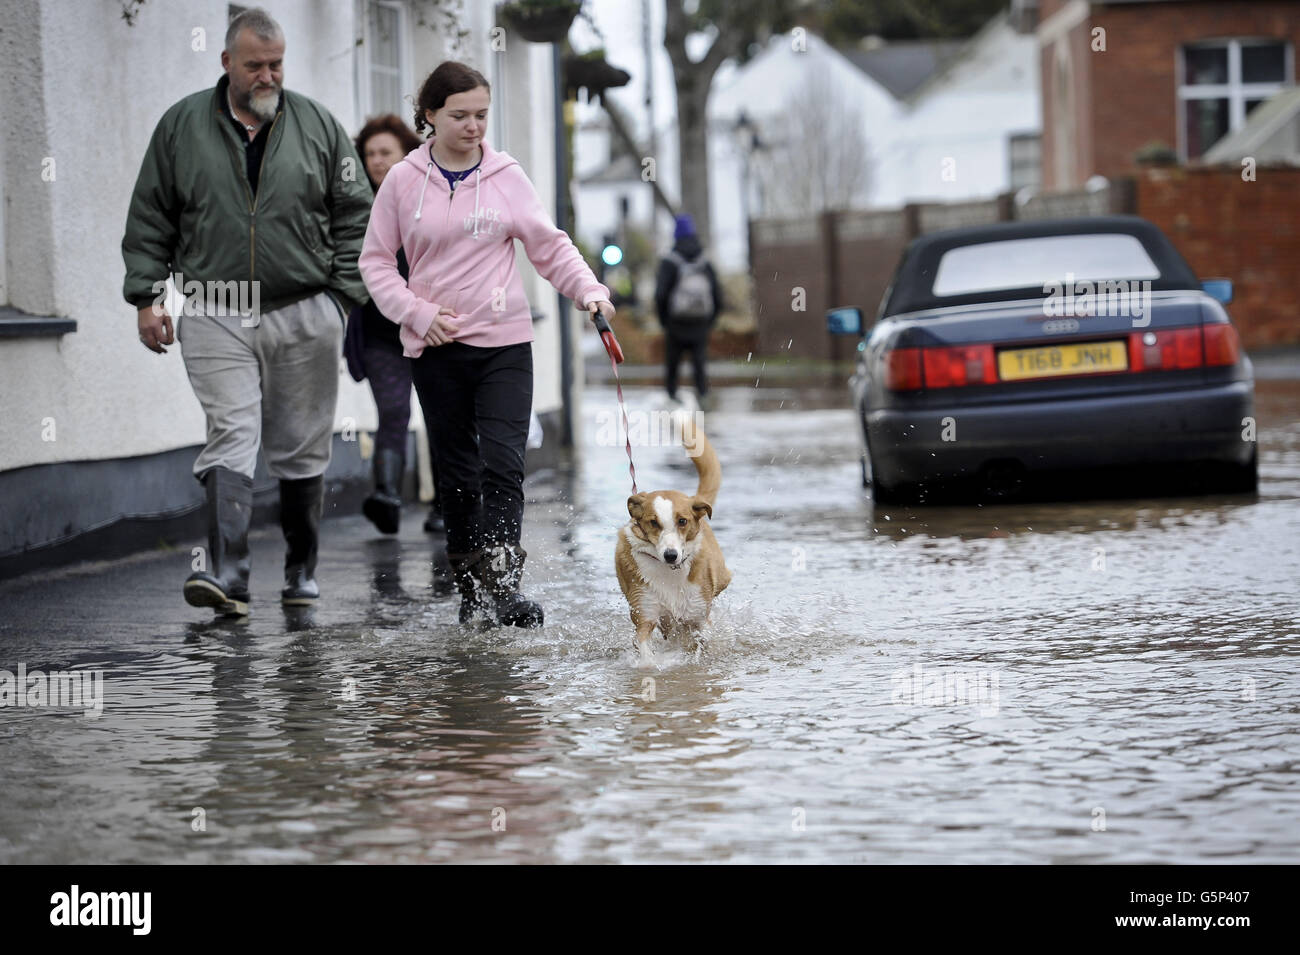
(688, 300)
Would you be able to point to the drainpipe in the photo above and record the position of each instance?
(562, 222)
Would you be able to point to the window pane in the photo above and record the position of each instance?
(1207, 122)
(1032, 263)
(1024, 148)
(383, 36)
(1206, 64)
(1263, 63)
(1252, 103)
(1026, 161)
(385, 92)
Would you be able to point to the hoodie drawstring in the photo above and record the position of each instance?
(428, 171)
(478, 181)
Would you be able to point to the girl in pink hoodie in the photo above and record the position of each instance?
(456, 205)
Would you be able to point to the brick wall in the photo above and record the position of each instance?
(791, 292)
(1127, 96)
(1245, 231)
(1226, 228)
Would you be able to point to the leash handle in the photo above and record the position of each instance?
(607, 337)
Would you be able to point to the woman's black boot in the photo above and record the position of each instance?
(434, 523)
(384, 506)
(501, 568)
(476, 604)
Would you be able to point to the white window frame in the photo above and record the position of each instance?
(365, 100)
(496, 75)
(1012, 139)
(1234, 91)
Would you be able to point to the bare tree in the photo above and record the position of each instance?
(818, 158)
(732, 29)
(738, 29)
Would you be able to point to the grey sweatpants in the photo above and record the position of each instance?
(275, 384)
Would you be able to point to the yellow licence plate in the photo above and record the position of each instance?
(1086, 359)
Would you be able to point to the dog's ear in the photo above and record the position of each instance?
(635, 506)
(698, 505)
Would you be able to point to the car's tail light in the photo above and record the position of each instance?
(903, 369)
(910, 369)
(1166, 350)
(953, 367)
(1170, 349)
(1222, 346)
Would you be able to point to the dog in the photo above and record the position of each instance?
(668, 562)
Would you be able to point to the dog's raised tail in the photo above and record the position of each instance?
(706, 459)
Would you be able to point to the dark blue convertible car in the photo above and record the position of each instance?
(1054, 347)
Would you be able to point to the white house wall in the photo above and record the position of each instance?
(761, 88)
(531, 71)
(91, 90)
(967, 116)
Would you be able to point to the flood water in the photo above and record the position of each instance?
(1110, 681)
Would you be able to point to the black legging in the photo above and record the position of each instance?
(476, 404)
(389, 374)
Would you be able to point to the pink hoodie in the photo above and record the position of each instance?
(461, 252)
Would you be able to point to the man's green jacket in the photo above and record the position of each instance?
(193, 211)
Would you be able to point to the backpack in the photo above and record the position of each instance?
(692, 297)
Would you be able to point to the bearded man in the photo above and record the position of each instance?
(251, 198)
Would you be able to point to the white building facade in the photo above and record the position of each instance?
(97, 430)
(971, 130)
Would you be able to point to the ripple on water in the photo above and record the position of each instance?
(1125, 661)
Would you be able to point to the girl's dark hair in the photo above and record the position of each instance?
(387, 123)
(448, 79)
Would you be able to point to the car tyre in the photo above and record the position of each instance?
(1242, 478)
(883, 494)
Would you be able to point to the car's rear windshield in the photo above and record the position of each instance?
(1036, 262)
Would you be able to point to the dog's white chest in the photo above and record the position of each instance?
(669, 592)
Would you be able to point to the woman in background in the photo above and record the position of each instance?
(382, 143)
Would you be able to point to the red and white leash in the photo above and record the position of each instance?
(615, 359)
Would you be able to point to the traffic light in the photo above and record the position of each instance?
(612, 253)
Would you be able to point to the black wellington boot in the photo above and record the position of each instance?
(300, 508)
(223, 586)
(434, 524)
(443, 577)
(476, 604)
(501, 568)
(384, 506)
